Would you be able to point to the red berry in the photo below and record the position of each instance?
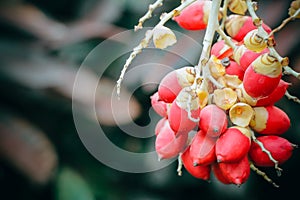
(236, 172)
(270, 120)
(173, 82)
(262, 77)
(233, 145)
(237, 26)
(200, 171)
(221, 50)
(178, 116)
(167, 145)
(159, 106)
(244, 57)
(213, 120)
(160, 124)
(219, 175)
(195, 16)
(235, 69)
(202, 149)
(280, 149)
(275, 96)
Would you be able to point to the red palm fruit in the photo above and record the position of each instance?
(275, 96)
(202, 149)
(270, 120)
(280, 149)
(233, 145)
(213, 120)
(237, 26)
(167, 145)
(236, 172)
(200, 171)
(218, 174)
(235, 69)
(173, 83)
(195, 16)
(221, 50)
(159, 106)
(160, 124)
(178, 117)
(262, 76)
(244, 57)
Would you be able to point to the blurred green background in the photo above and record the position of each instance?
(42, 45)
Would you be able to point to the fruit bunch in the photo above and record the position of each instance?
(220, 115)
(230, 106)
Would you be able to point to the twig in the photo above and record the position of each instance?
(291, 97)
(148, 15)
(227, 40)
(289, 71)
(261, 145)
(284, 22)
(212, 26)
(180, 164)
(263, 174)
(262, 33)
(224, 14)
(145, 42)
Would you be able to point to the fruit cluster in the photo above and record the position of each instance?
(236, 120)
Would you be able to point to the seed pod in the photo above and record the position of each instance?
(163, 37)
(270, 120)
(235, 69)
(280, 149)
(159, 106)
(244, 97)
(295, 5)
(238, 26)
(253, 42)
(275, 96)
(173, 83)
(241, 114)
(215, 66)
(195, 16)
(237, 6)
(200, 171)
(237, 172)
(233, 145)
(213, 120)
(244, 57)
(262, 76)
(179, 118)
(225, 98)
(167, 145)
(221, 50)
(218, 174)
(160, 124)
(202, 149)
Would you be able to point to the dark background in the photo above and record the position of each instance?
(41, 155)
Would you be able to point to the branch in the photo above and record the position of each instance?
(263, 174)
(148, 15)
(261, 145)
(284, 22)
(263, 34)
(145, 42)
(180, 164)
(224, 14)
(291, 97)
(212, 26)
(290, 71)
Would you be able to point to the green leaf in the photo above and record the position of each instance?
(71, 186)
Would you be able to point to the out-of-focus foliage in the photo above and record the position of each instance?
(42, 45)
